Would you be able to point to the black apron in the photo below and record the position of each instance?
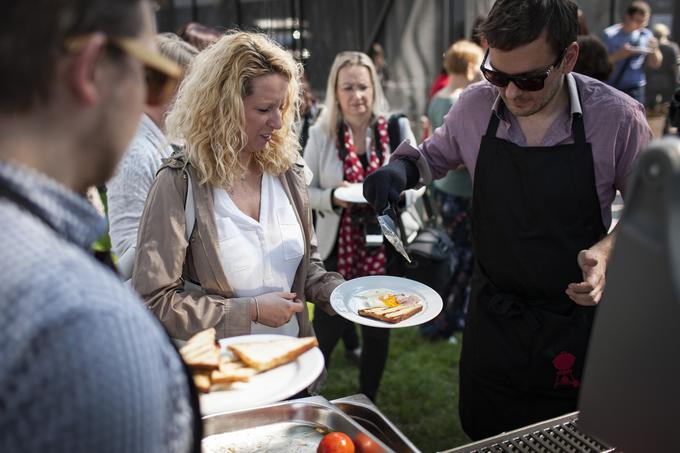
(105, 259)
(534, 209)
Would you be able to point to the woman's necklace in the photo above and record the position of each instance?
(248, 184)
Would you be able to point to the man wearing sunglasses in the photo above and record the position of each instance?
(85, 367)
(547, 149)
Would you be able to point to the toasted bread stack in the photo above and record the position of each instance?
(392, 315)
(231, 371)
(211, 368)
(202, 354)
(265, 355)
(202, 351)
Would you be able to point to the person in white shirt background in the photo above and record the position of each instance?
(127, 190)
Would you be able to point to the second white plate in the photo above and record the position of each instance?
(270, 386)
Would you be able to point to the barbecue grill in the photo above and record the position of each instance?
(557, 435)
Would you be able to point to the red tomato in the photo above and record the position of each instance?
(365, 444)
(335, 443)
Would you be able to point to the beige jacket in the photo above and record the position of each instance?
(161, 268)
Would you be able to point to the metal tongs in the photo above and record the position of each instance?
(389, 230)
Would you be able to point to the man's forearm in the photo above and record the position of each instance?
(617, 56)
(605, 245)
(655, 59)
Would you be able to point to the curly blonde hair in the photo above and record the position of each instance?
(208, 115)
(331, 116)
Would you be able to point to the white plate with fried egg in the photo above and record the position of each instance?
(380, 290)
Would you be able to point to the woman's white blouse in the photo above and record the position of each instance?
(260, 257)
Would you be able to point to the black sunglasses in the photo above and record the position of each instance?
(525, 82)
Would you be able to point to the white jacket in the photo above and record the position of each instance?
(321, 156)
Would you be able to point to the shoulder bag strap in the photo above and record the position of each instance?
(189, 207)
(622, 71)
(429, 211)
(394, 131)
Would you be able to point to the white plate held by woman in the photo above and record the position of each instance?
(352, 193)
(267, 387)
(364, 292)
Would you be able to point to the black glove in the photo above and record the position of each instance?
(388, 182)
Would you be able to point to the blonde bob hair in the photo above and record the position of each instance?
(331, 117)
(461, 55)
(208, 115)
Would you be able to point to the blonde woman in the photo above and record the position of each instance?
(127, 190)
(350, 140)
(252, 253)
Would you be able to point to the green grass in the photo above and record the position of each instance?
(419, 390)
(103, 244)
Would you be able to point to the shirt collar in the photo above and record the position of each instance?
(573, 96)
(70, 214)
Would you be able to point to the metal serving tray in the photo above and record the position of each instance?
(362, 410)
(290, 426)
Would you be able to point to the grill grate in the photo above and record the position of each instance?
(556, 436)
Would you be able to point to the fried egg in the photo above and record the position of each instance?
(380, 297)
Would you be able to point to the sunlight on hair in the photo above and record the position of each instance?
(208, 115)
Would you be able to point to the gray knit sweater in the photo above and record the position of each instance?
(84, 366)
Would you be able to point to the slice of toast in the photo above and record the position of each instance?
(265, 355)
(202, 351)
(392, 315)
(202, 380)
(232, 371)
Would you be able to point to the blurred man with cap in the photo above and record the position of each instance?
(85, 367)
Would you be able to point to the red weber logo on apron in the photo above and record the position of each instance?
(564, 363)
